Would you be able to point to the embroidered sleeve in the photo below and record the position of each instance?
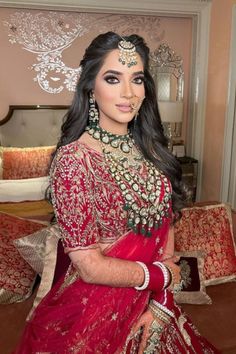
(72, 196)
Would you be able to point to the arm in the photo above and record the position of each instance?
(94, 267)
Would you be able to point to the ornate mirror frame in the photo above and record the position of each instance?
(167, 71)
(165, 61)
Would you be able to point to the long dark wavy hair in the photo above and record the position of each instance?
(147, 131)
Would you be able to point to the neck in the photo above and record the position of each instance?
(117, 129)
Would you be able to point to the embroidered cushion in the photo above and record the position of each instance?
(50, 239)
(209, 228)
(18, 163)
(33, 247)
(193, 291)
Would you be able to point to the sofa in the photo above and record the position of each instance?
(215, 321)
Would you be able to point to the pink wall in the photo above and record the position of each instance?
(217, 91)
(18, 87)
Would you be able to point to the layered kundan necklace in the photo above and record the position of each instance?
(142, 194)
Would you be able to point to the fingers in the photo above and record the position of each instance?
(144, 324)
(144, 339)
(174, 268)
(136, 328)
(173, 259)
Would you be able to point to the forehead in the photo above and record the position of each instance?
(112, 62)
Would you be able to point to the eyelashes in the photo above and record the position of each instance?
(112, 80)
(139, 80)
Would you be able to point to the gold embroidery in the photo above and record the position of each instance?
(114, 316)
(87, 209)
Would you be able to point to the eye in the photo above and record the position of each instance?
(139, 80)
(111, 79)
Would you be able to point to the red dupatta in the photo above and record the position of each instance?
(89, 318)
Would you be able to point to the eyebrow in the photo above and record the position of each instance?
(119, 73)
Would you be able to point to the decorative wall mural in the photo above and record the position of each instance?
(48, 34)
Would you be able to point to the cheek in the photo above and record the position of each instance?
(105, 94)
(141, 91)
(138, 90)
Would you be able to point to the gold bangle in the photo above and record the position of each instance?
(159, 314)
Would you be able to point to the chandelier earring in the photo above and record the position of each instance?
(93, 112)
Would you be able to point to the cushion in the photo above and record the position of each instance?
(18, 163)
(193, 291)
(209, 228)
(49, 264)
(23, 189)
(16, 276)
(33, 247)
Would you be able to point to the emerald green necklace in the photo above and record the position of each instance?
(147, 196)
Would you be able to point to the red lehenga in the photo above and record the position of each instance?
(76, 317)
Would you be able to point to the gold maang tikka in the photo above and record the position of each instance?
(127, 53)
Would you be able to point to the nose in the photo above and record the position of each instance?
(127, 90)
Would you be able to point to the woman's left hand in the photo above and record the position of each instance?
(145, 322)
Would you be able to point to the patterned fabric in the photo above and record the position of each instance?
(19, 163)
(76, 317)
(209, 228)
(33, 247)
(87, 209)
(50, 257)
(16, 275)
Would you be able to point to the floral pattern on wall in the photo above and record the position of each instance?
(49, 34)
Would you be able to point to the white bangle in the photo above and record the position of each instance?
(165, 272)
(163, 308)
(146, 277)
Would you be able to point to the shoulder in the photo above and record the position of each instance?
(72, 151)
(69, 159)
(75, 158)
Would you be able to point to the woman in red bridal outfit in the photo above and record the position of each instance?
(116, 191)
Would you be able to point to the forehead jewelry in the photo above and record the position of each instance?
(127, 53)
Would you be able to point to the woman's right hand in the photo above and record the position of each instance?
(145, 322)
